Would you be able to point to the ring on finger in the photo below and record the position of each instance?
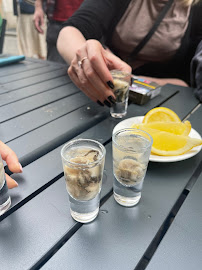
(80, 62)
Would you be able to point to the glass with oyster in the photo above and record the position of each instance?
(121, 81)
(131, 151)
(83, 164)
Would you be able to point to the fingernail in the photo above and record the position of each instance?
(21, 170)
(112, 100)
(110, 84)
(100, 103)
(107, 103)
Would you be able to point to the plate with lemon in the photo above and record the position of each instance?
(173, 139)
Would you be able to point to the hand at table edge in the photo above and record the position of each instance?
(10, 157)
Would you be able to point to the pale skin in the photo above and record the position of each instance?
(39, 16)
(9, 156)
(92, 78)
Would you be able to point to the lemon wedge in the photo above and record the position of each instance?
(169, 144)
(161, 114)
(178, 128)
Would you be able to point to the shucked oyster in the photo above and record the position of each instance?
(84, 182)
(120, 89)
(130, 172)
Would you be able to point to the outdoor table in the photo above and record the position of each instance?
(41, 110)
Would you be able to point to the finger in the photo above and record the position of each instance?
(41, 24)
(37, 25)
(42, 21)
(11, 183)
(98, 62)
(97, 55)
(101, 90)
(89, 85)
(10, 157)
(87, 90)
(114, 62)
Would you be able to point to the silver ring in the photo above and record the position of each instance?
(81, 61)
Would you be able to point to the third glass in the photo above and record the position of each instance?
(131, 151)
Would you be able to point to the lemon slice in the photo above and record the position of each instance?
(168, 144)
(161, 114)
(178, 128)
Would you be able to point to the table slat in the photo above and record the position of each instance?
(183, 241)
(31, 222)
(183, 102)
(119, 237)
(20, 67)
(31, 81)
(28, 91)
(30, 103)
(27, 74)
(27, 122)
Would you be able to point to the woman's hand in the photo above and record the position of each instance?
(89, 70)
(12, 161)
(38, 17)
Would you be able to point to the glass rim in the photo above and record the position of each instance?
(136, 130)
(71, 142)
(125, 73)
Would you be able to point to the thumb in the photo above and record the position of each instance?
(114, 62)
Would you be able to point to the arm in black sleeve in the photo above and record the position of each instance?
(196, 72)
(95, 17)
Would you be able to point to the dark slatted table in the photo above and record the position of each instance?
(40, 110)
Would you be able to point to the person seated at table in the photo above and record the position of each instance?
(12, 161)
(196, 72)
(121, 25)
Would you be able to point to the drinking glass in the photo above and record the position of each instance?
(131, 151)
(83, 164)
(121, 81)
(5, 200)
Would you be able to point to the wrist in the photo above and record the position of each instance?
(38, 4)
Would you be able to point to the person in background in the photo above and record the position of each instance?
(57, 12)
(30, 43)
(11, 159)
(121, 25)
(196, 72)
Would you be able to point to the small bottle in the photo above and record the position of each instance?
(5, 200)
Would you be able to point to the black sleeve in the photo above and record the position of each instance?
(196, 72)
(95, 17)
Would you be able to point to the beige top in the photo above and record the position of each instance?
(138, 20)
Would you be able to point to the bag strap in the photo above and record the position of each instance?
(142, 43)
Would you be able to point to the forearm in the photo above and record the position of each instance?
(69, 41)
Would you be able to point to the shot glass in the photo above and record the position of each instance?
(121, 81)
(131, 151)
(5, 200)
(83, 164)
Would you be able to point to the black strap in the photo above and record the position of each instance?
(142, 43)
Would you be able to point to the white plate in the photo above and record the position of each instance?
(127, 123)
